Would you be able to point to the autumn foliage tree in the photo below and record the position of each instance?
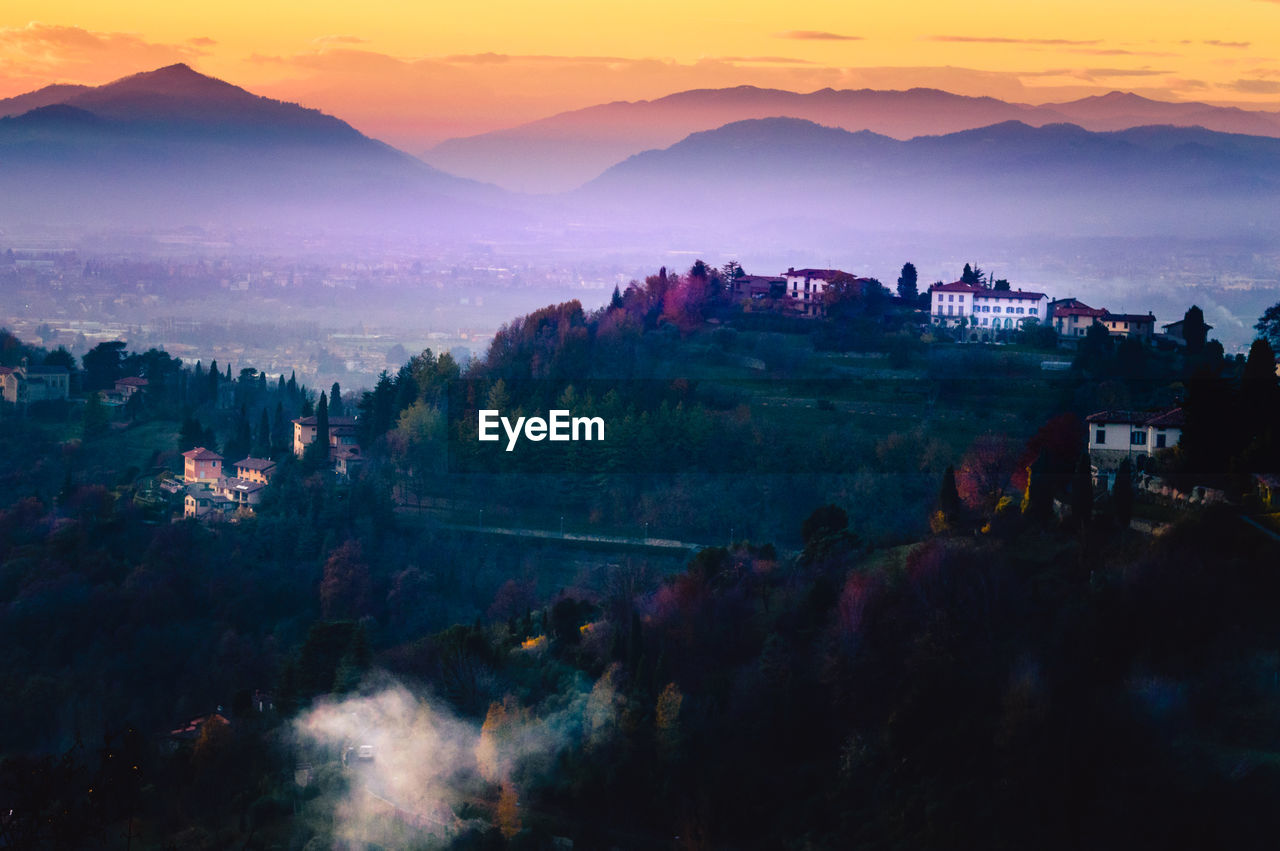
(344, 590)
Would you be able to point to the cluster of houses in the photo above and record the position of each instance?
(983, 309)
(211, 494)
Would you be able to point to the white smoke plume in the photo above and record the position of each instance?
(414, 771)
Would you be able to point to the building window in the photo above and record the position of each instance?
(1138, 438)
(996, 308)
(949, 309)
(1161, 437)
(1033, 311)
(1100, 437)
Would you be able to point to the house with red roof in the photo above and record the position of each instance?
(126, 387)
(202, 466)
(987, 311)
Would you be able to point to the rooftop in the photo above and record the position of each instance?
(1168, 418)
(201, 454)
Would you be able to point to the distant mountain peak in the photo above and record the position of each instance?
(176, 79)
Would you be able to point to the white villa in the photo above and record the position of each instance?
(1116, 435)
(985, 309)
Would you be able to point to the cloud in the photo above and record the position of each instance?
(339, 39)
(1216, 43)
(202, 41)
(1124, 72)
(1256, 87)
(816, 35)
(1118, 51)
(39, 53)
(995, 39)
(766, 60)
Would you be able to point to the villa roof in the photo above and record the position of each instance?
(201, 454)
(1168, 418)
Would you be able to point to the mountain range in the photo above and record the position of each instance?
(564, 151)
(795, 176)
(175, 145)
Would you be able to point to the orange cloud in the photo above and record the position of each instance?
(39, 53)
(816, 35)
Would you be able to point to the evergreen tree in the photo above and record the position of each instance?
(949, 495)
(262, 440)
(336, 408)
(1194, 330)
(211, 389)
(96, 418)
(318, 452)
(908, 282)
(615, 303)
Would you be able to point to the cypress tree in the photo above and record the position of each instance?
(335, 401)
(949, 495)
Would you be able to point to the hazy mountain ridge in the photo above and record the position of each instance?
(563, 151)
(787, 174)
(173, 144)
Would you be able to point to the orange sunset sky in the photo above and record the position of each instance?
(413, 73)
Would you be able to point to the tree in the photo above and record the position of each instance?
(344, 590)
(336, 406)
(984, 471)
(1001, 285)
(102, 365)
(908, 282)
(1260, 406)
(96, 417)
(971, 274)
(949, 495)
(1268, 325)
(615, 303)
(1194, 330)
(1122, 494)
(1037, 501)
(317, 453)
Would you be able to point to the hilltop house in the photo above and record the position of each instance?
(342, 432)
(1173, 332)
(984, 309)
(1116, 435)
(201, 466)
(756, 288)
(804, 289)
(126, 387)
(206, 504)
(1141, 326)
(22, 385)
(1071, 317)
(255, 470)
